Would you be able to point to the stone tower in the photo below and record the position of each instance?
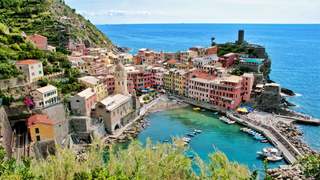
(136, 102)
(120, 78)
(240, 36)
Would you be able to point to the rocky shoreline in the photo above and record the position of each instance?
(291, 133)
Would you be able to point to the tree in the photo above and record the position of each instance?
(250, 50)
(72, 80)
(310, 165)
(267, 176)
(44, 63)
(49, 69)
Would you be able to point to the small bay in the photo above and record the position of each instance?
(237, 145)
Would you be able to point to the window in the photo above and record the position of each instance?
(32, 74)
(39, 65)
(20, 67)
(38, 138)
(39, 72)
(31, 67)
(37, 130)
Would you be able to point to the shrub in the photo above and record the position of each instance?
(21, 77)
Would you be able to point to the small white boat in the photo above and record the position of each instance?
(197, 131)
(185, 138)
(274, 158)
(202, 110)
(231, 122)
(243, 129)
(215, 113)
(269, 152)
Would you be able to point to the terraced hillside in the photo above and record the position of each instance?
(55, 20)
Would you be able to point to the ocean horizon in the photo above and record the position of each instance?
(294, 50)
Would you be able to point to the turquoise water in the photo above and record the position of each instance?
(293, 48)
(237, 145)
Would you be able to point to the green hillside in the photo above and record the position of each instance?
(54, 20)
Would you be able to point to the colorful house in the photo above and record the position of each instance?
(229, 59)
(40, 128)
(39, 41)
(95, 83)
(32, 69)
(45, 96)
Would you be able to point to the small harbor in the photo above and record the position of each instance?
(238, 146)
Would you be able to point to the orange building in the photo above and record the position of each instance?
(40, 128)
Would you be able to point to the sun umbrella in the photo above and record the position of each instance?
(141, 89)
(147, 88)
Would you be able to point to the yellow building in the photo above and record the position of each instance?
(178, 83)
(188, 55)
(184, 66)
(40, 128)
(84, 68)
(90, 81)
(168, 79)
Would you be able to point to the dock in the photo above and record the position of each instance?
(274, 137)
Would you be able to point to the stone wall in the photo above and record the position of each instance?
(43, 148)
(80, 124)
(258, 79)
(56, 113)
(6, 132)
(61, 130)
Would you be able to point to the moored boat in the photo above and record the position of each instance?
(196, 109)
(202, 110)
(165, 140)
(268, 152)
(215, 113)
(274, 158)
(243, 129)
(231, 122)
(264, 141)
(197, 130)
(190, 134)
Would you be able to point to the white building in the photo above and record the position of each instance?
(32, 69)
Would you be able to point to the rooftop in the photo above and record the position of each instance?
(233, 79)
(46, 89)
(115, 101)
(172, 61)
(38, 118)
(86, 93)
(90, 79)
(27, 62)
(229, 54)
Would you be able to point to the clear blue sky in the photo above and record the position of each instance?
(197, 11)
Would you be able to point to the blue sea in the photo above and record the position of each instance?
(293, 48)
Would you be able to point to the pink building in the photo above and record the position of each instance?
(199, 87)
(39, 41)
(227, 92)
(228, 59)
(192, 73)
(130, 86)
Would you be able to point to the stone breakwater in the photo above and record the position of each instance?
(292, 174)
(130, 132)
(290, 133)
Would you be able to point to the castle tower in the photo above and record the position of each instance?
(240, 36)
(120, 78)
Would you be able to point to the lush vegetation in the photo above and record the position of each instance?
(67, 86)
(52, 19)
(310, 165)
(153, 161)
(240, 71)
(227, 48)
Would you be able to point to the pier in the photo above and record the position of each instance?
(269, 133)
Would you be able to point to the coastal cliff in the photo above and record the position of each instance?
(54, 20)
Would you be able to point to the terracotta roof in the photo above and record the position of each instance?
(172, 61)
(38, 118)
(206, 76)
(29, 61)
(30, 37)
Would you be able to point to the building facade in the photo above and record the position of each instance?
(40, 128)
(32, 69)
(45, 96)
